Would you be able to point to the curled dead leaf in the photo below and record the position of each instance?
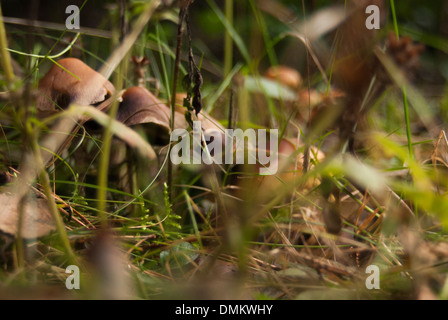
(405, 53)
(37, 220)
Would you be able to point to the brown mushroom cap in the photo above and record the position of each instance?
(82, 85)
(289, 167)
(140, 106)
(285, 75)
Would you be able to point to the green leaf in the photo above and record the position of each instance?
(179, 255)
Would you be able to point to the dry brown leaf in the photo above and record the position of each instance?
(37, 220)
(441, 149)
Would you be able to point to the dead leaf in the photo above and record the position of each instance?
(441, 150)
(37, 220)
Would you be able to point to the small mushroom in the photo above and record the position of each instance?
(72, 81)
(306, 98)
(289, 164)
(285, 75)
(139, 106)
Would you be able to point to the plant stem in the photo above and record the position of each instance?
(105, 154)
(4, 54)
(394, 17)
(408, 124)
(117, 58)
(405, 100)
(45, 182)
(228, 41)
(182, 13)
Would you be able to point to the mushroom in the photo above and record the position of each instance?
(289, 164)
(72, 81)
(306, 98)
(139, 106)
(285, 75)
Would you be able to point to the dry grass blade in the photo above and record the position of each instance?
(312, 29)
(418, 102)
(57, 26)
(281, 12)
(127, 43)
(321, 23)
(132, 138)
(440, 152)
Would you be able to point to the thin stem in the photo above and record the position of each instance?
(408, 125)
(394, 17)
(49, 57)
(4, 54)
(105, 152)
(228, 41)
(405, 100)
(117, 59)
(45, 182)
(173, 94)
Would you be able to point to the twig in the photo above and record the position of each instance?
(182, 14)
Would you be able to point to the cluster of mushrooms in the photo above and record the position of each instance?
(71, 81)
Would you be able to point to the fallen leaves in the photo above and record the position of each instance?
(33, 215)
